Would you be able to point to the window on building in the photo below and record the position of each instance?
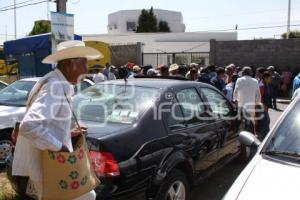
(131, 26)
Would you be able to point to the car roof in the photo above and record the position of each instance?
(35, 79)
(154, 83)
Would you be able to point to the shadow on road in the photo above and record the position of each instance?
(215, 187)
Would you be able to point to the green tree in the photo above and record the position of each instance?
(163, 26)
(147, 22)
(152, 20)
(40, 27)
(293, 34)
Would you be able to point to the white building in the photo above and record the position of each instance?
(177, 46)
(167, 48)
(126, 21)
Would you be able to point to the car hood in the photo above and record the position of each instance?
(271, 180)
(9, 115)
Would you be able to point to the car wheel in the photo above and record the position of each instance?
(174, 187)
(6, 147)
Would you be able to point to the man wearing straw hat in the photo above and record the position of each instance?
(47, 122)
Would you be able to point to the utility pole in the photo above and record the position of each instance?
(15, 18)
(289, 21)
(5, 32)
(48, 10)
(61, 6)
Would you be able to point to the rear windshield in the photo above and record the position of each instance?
(113, 103)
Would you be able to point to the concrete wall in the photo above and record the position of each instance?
(160, 37)
(121, 54)
(257, 53)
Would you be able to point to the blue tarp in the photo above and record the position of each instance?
(30, 44)
(29, 53)
(27, 45)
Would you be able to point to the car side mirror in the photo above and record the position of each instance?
(248, 139)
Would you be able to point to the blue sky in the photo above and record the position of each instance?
(199, 15)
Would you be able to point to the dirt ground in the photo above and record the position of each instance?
(6, 191)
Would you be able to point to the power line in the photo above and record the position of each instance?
(16, 4)
(279, 23)
(252, 28)
(22, 6)
(239, 14)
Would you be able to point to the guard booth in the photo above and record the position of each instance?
(28, 53)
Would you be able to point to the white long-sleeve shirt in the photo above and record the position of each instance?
(247, 93)
(45, 126)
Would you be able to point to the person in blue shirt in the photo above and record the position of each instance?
(296, 83)
(218, 81)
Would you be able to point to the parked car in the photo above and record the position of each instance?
(2, 85)
(135, 150)
(296, 93)
(12, 109)
(274, 172)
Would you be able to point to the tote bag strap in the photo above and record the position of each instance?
(32, 97)
(73, 113)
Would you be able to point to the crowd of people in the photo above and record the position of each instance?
(223, 78)
(242, 86)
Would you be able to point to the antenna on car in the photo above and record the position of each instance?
(125, 80)
(123, 73)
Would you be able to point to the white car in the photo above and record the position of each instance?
(274, 172)
(13, 100)
(296, 93)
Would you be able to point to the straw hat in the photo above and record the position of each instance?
(136, 68)
(173, 67)
(72, 49)
(271, 68)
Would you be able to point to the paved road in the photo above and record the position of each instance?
(216, 186)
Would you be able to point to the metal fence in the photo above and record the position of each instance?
(156, 59)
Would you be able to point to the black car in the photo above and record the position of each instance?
(157, 137)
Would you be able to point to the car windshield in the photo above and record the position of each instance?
(113, 103)
(16, 94)
(286, 140)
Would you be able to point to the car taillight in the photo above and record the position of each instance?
(104, 164)
(14, 137)
(15, 133)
